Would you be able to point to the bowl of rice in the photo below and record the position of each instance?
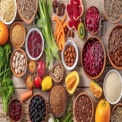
(112, 86)
(8, 11)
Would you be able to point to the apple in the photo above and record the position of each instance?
(37, 81)
(29, 82)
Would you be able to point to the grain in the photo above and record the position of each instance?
(17, 34)
(113, 87)
(7, 10)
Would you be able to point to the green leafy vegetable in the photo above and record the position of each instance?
(43, 22)
(6, 86)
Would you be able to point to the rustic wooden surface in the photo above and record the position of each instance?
(105, 27)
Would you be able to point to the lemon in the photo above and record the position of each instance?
(47, 83)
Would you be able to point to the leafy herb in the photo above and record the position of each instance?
(43, 22)
(6, 86)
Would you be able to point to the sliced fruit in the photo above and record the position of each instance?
(72, 81)
(81, 30)
(95, 89)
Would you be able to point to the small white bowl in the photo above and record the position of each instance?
(10, 22)
(104, 88)
(69, 42)
(27, 51)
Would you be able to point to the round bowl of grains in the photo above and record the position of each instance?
(112, 86)
(115, 47)
(116, 115)
(17, 34)
(57, 73)
(27, 10)
(113, 10)
(8, 11)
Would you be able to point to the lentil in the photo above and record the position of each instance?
(58, 100)
(27, 8)
(7, 9)
(113, 87)
(17, 34)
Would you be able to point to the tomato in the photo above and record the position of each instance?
(4, 33)
(37, 81)
(103, 112)
(29, 82)
(32, 66)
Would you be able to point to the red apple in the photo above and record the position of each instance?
(37, 81)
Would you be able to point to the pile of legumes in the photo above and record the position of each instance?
(115, 46)
(27, 8)
(93, 57)
(7, 10)
(113, 9)
(37, 109)
(117, 114)
(15, 110)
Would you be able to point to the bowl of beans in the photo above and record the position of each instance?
(93, 57)
(57, 73)
(8, 11)
(18, 62)
(37, 108)
(83, 108)
(17, 34)
(113, 10)
(116, 115)
(115, 47)
(15, 110)
(69, 55)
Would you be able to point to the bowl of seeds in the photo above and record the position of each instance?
(57, 73)
(113, 10)
(8, 11)
(17, 34)
(27, 9)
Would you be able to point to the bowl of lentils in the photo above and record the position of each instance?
(93, 57)
(115, 47)
(113, 10)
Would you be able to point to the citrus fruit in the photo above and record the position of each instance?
(4, 33)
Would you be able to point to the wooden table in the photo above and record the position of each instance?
(83, 86)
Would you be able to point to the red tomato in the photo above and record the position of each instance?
(37, 81)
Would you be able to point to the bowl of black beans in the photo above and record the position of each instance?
(37, 109)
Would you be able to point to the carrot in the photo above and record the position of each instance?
(26, 95)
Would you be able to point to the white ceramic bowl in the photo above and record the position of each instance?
(10, 22)
(104, 87)
(27, 51)
(69, 42)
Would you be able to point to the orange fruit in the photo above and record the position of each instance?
(4, 33)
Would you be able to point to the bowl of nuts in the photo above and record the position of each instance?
(115, 47)
(69, 55)
(57, 73)
(83, 108)
(18, 62)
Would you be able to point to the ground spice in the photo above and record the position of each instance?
(27, 8)
(7, 10)
(17, 34)
(58, 100)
